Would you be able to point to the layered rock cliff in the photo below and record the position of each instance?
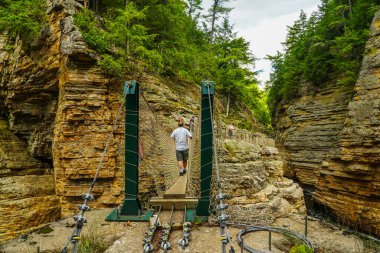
(28, 104)
(252, 174)
(57, 109)
(349, 183)
(329, 140)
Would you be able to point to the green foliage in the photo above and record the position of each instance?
(120, 38)
(94, 241)
(165, 37)
(301, 249)
(330, 44)
(91, 30)
(22, 18)
(9, 47)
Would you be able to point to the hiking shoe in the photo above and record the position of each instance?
(181, 172)
(184, 171)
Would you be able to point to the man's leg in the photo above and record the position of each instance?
(180, 165)
(185, 164)
(179, 156)
(185, 158)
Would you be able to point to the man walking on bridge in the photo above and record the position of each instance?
(180, 136)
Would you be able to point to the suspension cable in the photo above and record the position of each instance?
(79, 218)
(225, 237)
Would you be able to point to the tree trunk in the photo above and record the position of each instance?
(350, 4)
(228, 103)
(213, 19)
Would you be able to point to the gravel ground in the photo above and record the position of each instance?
(126, 237)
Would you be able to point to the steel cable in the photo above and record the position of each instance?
(225, 236)
(79, 218)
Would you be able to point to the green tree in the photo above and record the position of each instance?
(329, 45)
(194, 8)
(215, 12)
(165, 37)
(22, 18)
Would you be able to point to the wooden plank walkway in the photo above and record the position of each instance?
(178, 190)
(176, 196)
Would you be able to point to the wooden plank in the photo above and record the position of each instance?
(178, 190)
(179, 204)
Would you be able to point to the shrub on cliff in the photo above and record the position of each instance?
(22, 18)
(120, 38)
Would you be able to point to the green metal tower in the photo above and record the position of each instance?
(131, 206)
(207, 91)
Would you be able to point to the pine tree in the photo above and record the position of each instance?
(215, 12)
(330, 44)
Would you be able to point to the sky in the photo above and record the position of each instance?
(264, 24)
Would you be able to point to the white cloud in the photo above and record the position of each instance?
(264, 24)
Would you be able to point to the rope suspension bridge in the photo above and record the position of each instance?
(153, 189)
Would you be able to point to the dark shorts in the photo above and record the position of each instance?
(182, 155)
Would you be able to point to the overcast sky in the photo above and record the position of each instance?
(263, 23)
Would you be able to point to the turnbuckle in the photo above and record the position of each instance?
(148, 247)
(223, 217)
(221, 196)
(79, 218)
(84, 207)
(222, 207)
(87, 196)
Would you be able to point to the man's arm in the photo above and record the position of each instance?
(189, 134)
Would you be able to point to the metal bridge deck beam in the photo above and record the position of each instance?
(206, 147)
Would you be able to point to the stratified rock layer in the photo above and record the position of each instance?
(350, 183)
(252, 174)
(329, 139)
(28, 104)
(27, 196)
(309, 127)
(57, 110)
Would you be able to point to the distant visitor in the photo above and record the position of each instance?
(230, 131)
(192, 122)
(180, 136)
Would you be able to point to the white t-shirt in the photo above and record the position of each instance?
(180, 136)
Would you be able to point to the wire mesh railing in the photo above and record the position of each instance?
(253, 214)
(158, 169)
(193, 187)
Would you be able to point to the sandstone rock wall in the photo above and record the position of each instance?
(28, 104)
(329, 140)
(27, 196)
(349, 184)
(252, 173)
(56, 112)
(309, 127)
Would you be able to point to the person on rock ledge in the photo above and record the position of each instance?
(180, 136)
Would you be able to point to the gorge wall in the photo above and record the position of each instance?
(252, 174)
(329, 138)
(57, 109)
